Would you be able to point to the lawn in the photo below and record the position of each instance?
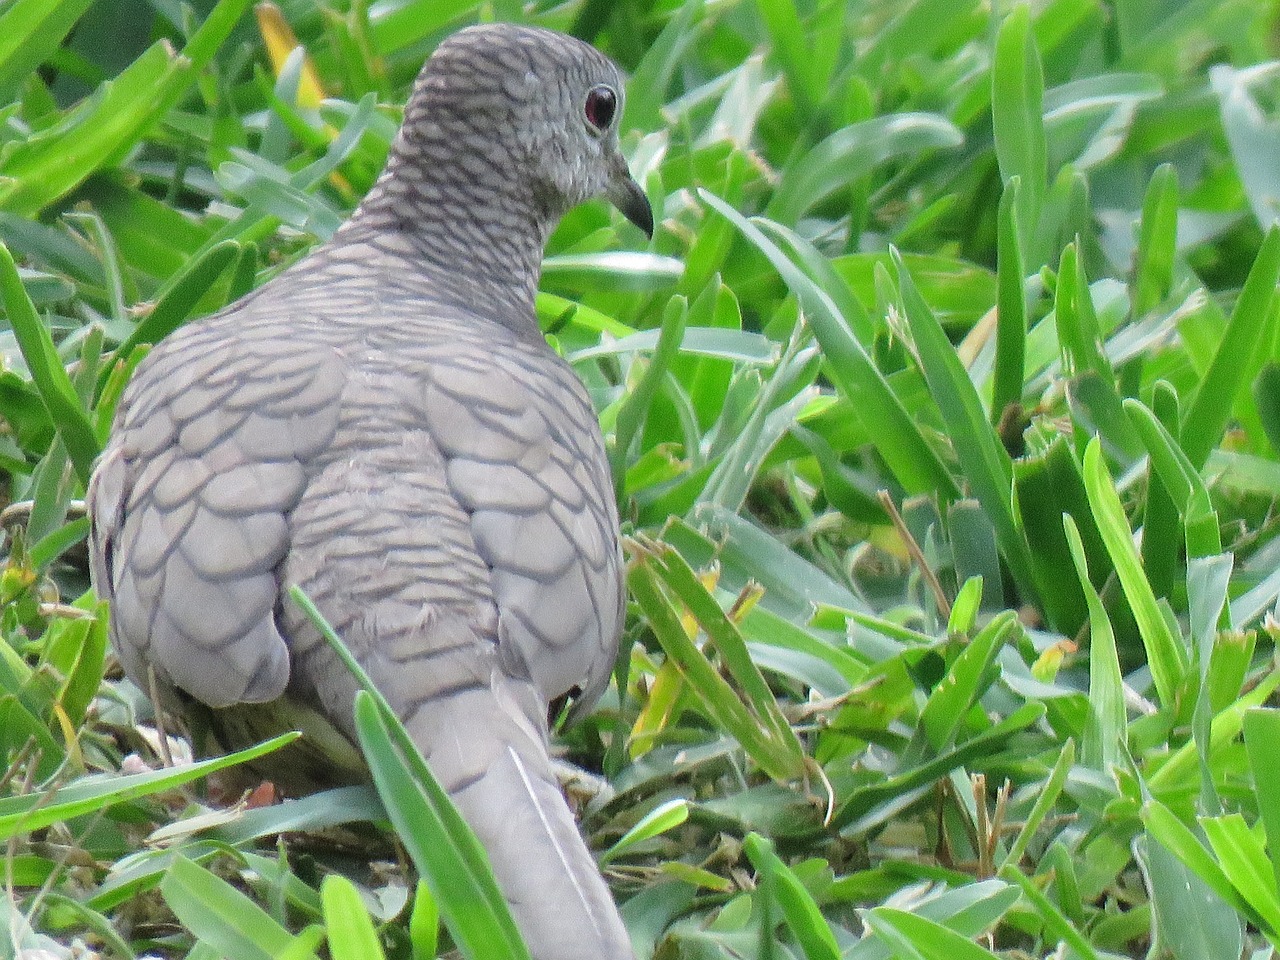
(944, 415)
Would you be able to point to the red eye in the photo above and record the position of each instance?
(600, 107)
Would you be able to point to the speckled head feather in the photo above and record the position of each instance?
(497, 143)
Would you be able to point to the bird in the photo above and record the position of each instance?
(383, 425)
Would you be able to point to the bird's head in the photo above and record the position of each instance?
(533, 106)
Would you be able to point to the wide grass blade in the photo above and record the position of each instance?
(1017, 109)
(1261, 734)
(1190, 919)
(347, 924)
(229, 921)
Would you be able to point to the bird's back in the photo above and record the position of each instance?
(392, 455)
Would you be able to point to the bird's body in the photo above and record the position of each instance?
(384, 426)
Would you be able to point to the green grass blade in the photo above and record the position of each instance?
(929, 940)
(185, 290)
(1092, 391)
(986, 465)
(1245, 862)
(659, 576)
(1179, 772)
(1157, 242)
(1017, 107)
(1236, 360)
(47, 372)
(30, 31)
(1164, 827)
(802, 70)
(27, 813)
(1166, 654)
(100, 131)
(1162, 515)
(965, 681)
(442, 846)
(1056, 923)
(1107, 731)
(220, 915)
(634, 410)
(1261, 734)
(1191, 920)
(424, 924)
(347, 924)
(810, 928)
(1011, 307)
(1046, 798)
(664, 817)
(1170, 463)
(852, 152)
(1047, 485)
(898, 438)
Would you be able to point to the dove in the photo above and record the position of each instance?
(384, 425)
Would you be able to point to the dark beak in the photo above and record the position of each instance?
(626, 195)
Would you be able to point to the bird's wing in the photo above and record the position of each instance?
(525, 459)
(460, 537)
(189, 506)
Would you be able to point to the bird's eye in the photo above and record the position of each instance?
(600, 107)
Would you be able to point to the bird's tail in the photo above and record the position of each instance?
(486, 745)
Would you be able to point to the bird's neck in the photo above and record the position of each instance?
(461, 224)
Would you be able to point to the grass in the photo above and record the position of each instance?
(944, 410)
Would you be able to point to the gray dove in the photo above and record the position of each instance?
(384, 425)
